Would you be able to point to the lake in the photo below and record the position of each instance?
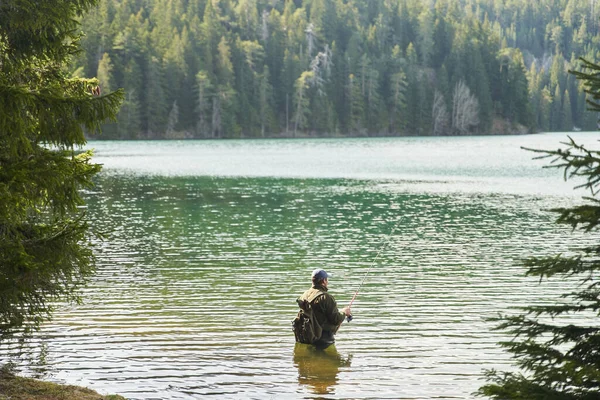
(210, 242)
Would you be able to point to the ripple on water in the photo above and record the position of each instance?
(195, 288)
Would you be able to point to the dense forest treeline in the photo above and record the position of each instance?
(256, 68)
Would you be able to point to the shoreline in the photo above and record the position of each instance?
(499, 127)
(14, 387)
(100, 138)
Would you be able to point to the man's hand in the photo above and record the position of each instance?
(346, 310)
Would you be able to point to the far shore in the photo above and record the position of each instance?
(186, 136)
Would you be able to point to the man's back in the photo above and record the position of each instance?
(323, 308)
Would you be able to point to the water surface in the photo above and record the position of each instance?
(211, 242)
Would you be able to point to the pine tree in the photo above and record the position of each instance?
(545, 110)
(104, 73)
(175, 71)
(302, 101)
(356, 106)
(567, 122)
(203, 104)
(556, 117)
(156, 106)
(412, 122)
(172, 121)
(397, 101)
(425, 36)
(373, 100)
(439, 43)
(45, 253)
(534, 94)
(129, 120)
(265, 99)
(247, 17)
(130, 115)
(223, 122)
(559, 358)
(105, 79)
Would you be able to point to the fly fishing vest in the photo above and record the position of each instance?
(306, 327)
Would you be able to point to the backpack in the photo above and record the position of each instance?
(306, 327)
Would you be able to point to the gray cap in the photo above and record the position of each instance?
(320, 274)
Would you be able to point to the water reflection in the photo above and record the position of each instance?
(187, 259)
(318, 368)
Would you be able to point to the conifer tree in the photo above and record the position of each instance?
(130, 118)
(435, 43)
(203, 104)
(44, 237)
(302, 101)
(545, 110)
(557, 357)
(265, 98)
(156, 106)
(397, 101)
(104, 74)
(567, 122)
(172, 120)
(355, 105)
(439, 115)
(425, 36)
(105, 80)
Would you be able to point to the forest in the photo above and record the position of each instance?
(312, 68)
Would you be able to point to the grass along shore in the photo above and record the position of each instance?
(13, 387)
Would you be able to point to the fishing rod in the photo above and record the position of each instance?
(349, 317)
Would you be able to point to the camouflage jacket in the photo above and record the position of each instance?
(325, 308)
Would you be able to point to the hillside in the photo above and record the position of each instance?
(257, 68)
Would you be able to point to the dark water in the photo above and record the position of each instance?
(211, 242)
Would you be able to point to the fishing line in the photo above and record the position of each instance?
(349, 318)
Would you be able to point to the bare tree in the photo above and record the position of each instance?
(321, 65)
(439, 114)
(465, 109)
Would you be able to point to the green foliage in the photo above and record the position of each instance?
(44, 251)
(591, 81)
(557, 358)
(489, 44)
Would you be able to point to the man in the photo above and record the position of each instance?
(324, 307)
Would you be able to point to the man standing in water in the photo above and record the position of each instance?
(324, 308)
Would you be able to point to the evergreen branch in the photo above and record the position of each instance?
(591, 82)
(519, 387)
(51, 179)
(587, 216)
(521, 326)
(573, 371)
(41, 28)
(54, 233)
(556, 310)
(555, 265)
(56, 115)
(575, 160)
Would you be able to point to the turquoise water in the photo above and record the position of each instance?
(210, 243)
